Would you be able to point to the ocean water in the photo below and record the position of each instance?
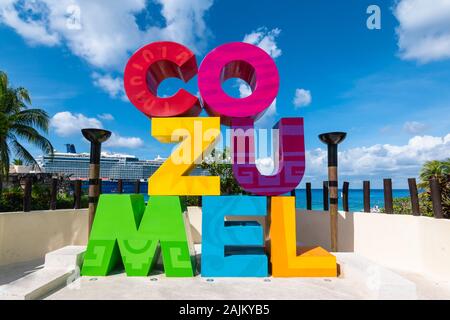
(355, 196)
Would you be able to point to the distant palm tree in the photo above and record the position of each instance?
(440, 170)
(17, 162)
(19, 123)
(434, 169)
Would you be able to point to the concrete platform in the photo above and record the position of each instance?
(60, 269)
(359, 279)
(12, 272)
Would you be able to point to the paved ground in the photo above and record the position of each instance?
(11, 273)
(159, 287)
(426, 288)
(360, 279)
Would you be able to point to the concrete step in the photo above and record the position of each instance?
(379, 282)
(359, 278)
(61, 268)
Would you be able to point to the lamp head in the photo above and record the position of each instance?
(332, 137)
(96, 135)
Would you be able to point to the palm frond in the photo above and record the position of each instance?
(431, 169)
(23, 95)
(11, 103)
(17, 122)
(34, 118)
(33, 137)
(4, 158)
(23, 153)
(3, 81)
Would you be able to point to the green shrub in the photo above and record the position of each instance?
(191, 201)
(403, 206)
(11, 200)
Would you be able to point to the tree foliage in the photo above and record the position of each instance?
(439, 170)
(219, 164)
(19, 124)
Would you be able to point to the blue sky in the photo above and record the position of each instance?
(388, 88)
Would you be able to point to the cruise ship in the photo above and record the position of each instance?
(112, 166)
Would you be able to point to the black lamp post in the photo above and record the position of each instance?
(332, 140)
(96, 138)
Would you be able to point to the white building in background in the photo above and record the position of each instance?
(112, 166)
(21, 169)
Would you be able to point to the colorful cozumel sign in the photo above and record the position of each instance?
(125, 228)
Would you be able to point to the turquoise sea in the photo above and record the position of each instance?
(355, 197)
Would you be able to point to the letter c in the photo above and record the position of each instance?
(152, 64)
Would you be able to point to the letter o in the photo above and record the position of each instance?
(244, 61)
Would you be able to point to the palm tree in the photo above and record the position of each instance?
(19, 123)
(441, 171)
(17, 162)
(434, 169)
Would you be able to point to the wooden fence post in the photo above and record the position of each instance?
(436, 198)
(308, 196)
(54, 193)
(366, 190)
(120, 186)
(137, 186)
(325, 196)
(345, 196)
(77, 194)
(388, 201)
(414, 196)
(27, 194)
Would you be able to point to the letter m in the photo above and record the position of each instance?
(124, 228)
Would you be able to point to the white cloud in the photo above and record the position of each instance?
(414, 127)
(302, 98)
(266, 166)
(34, 31)
(379, 161)
(424, 30)
(113, 86)
(245, 91)
(373, 163)
(106, 116)
(266, 40)
(184, 23)
(105, 33)
(67, 124)
(270, 112)
(124, 142)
